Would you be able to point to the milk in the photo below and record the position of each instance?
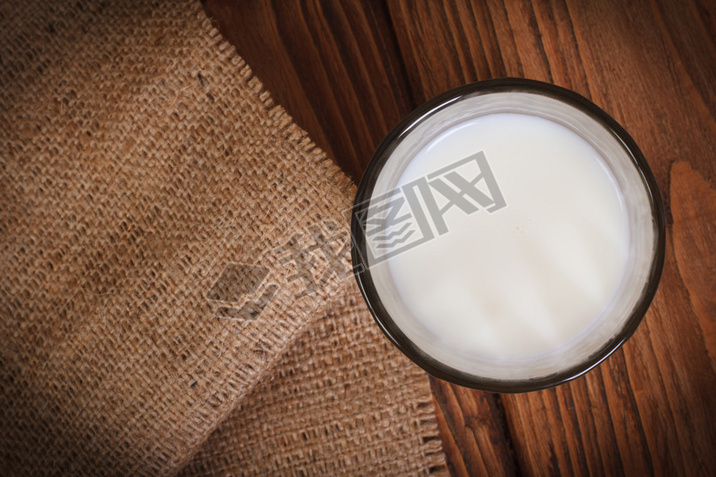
(535, 274)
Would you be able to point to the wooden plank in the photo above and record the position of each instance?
(648, 409)
(332, 65)
(694, 213)
(474, 431)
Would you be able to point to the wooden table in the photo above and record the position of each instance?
(348, 71)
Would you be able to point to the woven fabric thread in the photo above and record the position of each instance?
(342, 401)
(140, 159)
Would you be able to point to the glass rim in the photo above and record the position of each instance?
(362, 272)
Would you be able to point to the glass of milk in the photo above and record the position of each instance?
(508, 235)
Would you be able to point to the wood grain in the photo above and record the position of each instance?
(348, 71)
(473, 427)
(694, 212)
(334, 66)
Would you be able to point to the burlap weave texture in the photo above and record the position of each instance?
(143, 168)
(342, 401)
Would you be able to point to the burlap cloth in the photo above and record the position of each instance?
(175, 290)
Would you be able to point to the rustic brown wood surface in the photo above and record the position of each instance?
(348, 71)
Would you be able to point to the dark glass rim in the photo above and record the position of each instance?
(365, 281)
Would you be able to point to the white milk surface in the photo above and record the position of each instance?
(529, 277)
